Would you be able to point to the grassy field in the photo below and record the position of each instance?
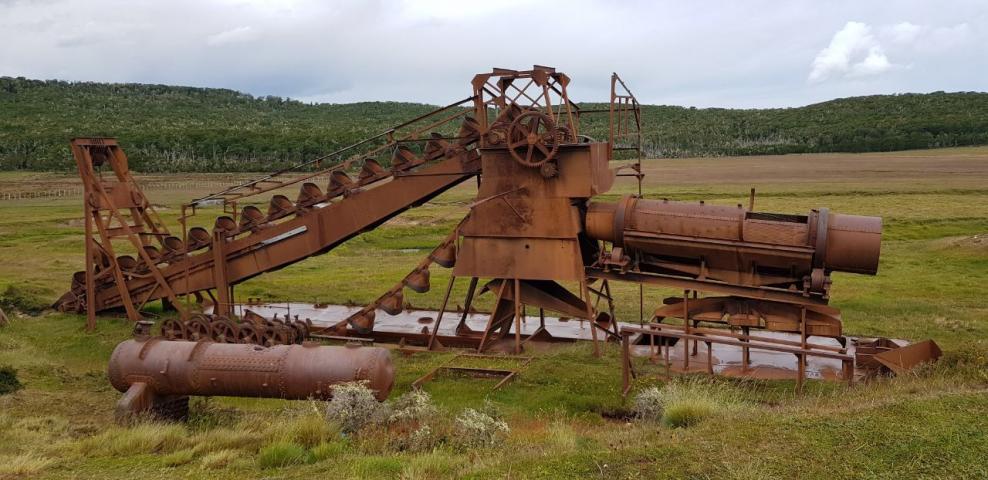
(565, 414)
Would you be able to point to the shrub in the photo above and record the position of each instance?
(422, 438)
(414, 406)
(479, 429)
(648, 404)
(8, 380)
(353, 407)
(283, 454)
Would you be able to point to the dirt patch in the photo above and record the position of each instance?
(619, 415)
(977, 242)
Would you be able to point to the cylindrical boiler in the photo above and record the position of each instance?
(293, 372)
(737, 245)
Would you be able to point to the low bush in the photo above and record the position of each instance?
(353, 407)
(9, 382)
(648, 404)
(479, 429)
(414, 406)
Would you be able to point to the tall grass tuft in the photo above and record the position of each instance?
(220, 459)
(283, 454)
(684, 403)
(329, 450)
(178, 458)
(306, 430)
(149, 437)
(28, 464)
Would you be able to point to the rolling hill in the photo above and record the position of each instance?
(168, 128)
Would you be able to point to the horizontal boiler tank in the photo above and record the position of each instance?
(732, 239)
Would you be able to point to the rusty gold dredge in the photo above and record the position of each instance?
(535, 238)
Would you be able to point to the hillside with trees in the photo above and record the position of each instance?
(169, 129)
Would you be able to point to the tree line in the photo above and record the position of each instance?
(187, 129)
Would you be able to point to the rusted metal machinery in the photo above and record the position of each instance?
(771, 265)
(534, 237)
(249, 328)
(157, 376)
(316, 222)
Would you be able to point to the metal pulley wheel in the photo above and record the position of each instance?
(532, 139)
(173, 329)
(276, 335)
(248, 333)
(223, 330)
(198, 328)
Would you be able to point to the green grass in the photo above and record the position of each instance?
(283, 454)
(566, 416)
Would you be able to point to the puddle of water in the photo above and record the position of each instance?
(414, 321)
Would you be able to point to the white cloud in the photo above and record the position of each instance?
(236, 35)
(853, 52)
(903, 33)
(874, 64)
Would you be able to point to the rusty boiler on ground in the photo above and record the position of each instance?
(157, 376)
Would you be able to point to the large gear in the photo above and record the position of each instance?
(533, 139)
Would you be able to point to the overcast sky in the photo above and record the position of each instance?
(724, 53)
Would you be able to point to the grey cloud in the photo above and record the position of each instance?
(716, 53)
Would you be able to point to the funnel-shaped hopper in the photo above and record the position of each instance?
(418, 280)
(394, 303)
(363, 322)
(445, 255)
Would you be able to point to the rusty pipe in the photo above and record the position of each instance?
(821, 239)
(162, 368)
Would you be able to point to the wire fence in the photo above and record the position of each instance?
(77, 191)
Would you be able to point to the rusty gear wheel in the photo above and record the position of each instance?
(248, 333)
(198, 328)
(173, 329)
(532, 139)
(274, 336)
(282, 335)
(549, 169)
(223, 330)
(300, 332)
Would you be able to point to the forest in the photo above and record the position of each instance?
(187, 129)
